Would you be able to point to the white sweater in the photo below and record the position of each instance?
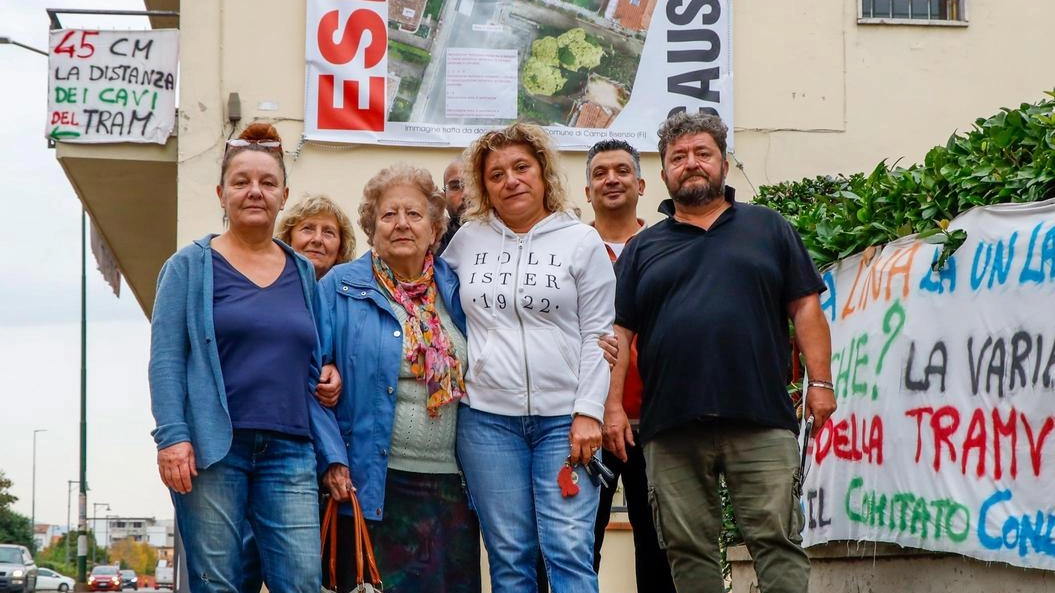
(535, 305)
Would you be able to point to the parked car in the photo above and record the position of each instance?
(49, 580)
(104, 578)
(129, 580)
(164, 574)
(18, 571)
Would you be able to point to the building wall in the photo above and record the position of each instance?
(161, 535)
(45, 535)
(816, 93)
(120, 528)
(883, 568)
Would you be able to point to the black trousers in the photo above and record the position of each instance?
(650, 561)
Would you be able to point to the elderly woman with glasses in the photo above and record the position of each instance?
(235, 360)
(395, 327)
(538, 292)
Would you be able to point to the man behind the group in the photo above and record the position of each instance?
(613, 187)
(454, 194)
(708, 293)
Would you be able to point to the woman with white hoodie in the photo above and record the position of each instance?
(538, 291)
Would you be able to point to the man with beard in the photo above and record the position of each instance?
(613, 187)
(708, 293)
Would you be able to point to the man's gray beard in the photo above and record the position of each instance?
(699, 195)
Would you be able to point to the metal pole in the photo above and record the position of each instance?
(82, 538)
(10, 41)
(33, 504)
(95, 528)
(69, 493)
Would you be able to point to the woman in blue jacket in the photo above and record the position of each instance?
(393, 323)
(235, 360)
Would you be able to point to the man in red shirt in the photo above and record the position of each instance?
(614, 185)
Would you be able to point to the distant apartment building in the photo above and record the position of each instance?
(119, 528)
(159, 534)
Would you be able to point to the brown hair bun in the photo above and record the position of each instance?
(260, 131)
(255, 132)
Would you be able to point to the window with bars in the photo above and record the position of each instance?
(927, 10)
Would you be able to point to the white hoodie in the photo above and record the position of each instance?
(535, 305)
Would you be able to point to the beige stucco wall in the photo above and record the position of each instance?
(816, 93)
(887, 568)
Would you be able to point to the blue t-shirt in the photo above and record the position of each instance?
(265, 337)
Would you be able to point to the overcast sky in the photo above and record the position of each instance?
(40, 308)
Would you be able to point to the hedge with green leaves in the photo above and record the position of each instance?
(1009, 157)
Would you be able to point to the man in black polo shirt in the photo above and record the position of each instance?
(708, 292)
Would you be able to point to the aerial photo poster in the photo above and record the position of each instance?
(441, 72)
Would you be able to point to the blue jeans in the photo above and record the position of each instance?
(269, 480)
(252, 578)
(511, 465)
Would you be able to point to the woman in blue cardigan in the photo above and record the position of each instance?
(235, 360)
(394, 325)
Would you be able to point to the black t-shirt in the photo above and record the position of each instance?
(453, 225)
(710, 311)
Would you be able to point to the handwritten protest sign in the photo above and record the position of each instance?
(946, 389)
(112, 86)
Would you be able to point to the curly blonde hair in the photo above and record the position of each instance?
(316, 205)
(540, 144)
(402, 174)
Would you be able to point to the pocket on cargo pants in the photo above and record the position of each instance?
(796, 520)
(657, 515)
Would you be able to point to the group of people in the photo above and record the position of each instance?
(455, 376)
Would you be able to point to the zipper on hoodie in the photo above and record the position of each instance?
(520, 320)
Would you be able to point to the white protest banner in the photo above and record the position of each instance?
(441, 73)
(112, 86)
(946, 390)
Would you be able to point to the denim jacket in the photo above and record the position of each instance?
(364, 337)
(187, 394)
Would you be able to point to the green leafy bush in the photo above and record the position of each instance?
(1008, 157)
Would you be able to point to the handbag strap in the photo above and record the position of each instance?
(329, 532)
(364, 549)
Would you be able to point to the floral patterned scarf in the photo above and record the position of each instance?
(426, 345)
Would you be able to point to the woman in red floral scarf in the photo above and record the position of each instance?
(394, 326)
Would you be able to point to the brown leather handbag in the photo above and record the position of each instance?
(364, 551)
